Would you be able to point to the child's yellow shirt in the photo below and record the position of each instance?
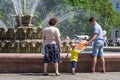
(74, 55)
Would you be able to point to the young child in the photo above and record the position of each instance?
(74, 57)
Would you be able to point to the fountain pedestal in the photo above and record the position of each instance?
(31, 63)
(24, 20)
(25, 34)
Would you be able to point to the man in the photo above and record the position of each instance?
(98, 44)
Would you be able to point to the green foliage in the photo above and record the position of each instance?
(108, 18)
(1, 15)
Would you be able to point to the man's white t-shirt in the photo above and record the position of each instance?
(50, 35)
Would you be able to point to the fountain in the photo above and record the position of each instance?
(24, 37)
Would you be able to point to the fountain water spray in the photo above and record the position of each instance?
(25, 6)
(24, 10)
(18, 7)
(60, 16)
(2, 25)
(32, 11)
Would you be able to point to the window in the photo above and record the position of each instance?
(116, 33)
(117, 5)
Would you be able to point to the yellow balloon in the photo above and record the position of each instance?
(81, 44)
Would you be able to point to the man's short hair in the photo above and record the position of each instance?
(53, 21)
(91, 19)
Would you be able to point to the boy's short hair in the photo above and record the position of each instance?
(91, 19)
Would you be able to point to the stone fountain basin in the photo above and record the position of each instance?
(32, 63)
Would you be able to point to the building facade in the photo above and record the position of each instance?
(115, 33)
(116, 5)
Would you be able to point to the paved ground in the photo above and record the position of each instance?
(64, 76)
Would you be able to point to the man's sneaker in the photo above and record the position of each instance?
(103, 71)
(92, 71)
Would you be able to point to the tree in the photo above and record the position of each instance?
(108, 18)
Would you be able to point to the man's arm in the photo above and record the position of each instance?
(92, 38)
